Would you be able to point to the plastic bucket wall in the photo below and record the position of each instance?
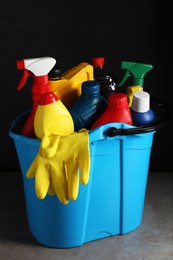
(110, 204)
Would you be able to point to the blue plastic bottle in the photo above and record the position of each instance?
(89, 105)
(142, 114)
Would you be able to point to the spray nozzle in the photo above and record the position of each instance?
(135, 70)
(37, 66)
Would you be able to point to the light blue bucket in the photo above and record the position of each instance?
(111, 203)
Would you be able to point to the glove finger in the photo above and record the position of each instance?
(32, 169)
(59, 180)
(84, 158)
(42, 180)
(84, 167)
(73, 179)
(51, 190)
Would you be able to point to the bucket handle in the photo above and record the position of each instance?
(113, 131)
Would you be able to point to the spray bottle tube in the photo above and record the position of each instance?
(39, 68)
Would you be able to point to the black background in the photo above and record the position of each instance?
(75, 31)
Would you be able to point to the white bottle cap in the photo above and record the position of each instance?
(141, 101)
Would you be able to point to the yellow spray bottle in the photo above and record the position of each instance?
(52, 117)
(137, 71)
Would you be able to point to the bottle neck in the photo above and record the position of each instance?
(41, 85)
(90, 89)
(98, 67)
(90, 94)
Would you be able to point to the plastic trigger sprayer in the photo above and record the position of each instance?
(39, 68)
(137, 71)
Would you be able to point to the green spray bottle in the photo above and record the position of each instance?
(137, 71)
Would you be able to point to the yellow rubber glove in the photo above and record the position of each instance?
(59, 163)
(41, 168)
(72, 159)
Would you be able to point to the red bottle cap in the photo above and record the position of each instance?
(118, 101)
(48, 98)
(98, 61)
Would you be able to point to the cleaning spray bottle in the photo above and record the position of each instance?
(52, 117)
(137, 71)
(39, 68)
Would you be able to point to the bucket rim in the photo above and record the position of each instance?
(159, 107)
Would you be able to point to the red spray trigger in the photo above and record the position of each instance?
(21, 65)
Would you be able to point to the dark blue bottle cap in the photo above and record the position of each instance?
(91, 87)
(55, 73)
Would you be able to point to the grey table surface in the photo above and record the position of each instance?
(152, 240)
